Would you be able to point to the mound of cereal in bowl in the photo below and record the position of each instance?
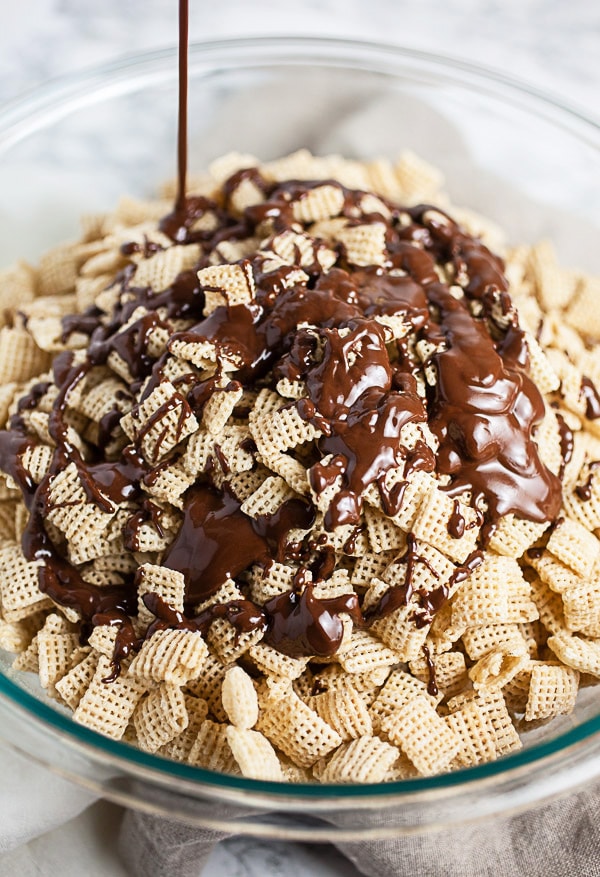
(299, 481)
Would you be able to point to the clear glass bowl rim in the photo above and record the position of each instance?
(60, 97)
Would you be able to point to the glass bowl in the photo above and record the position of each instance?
(517, 156)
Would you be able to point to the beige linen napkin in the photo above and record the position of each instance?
(554, 840)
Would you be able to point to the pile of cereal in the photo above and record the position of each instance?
(292, 487)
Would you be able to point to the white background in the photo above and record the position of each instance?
(552, 44)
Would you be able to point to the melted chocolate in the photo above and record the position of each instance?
(456, 524)
(584, 491)
(361, 391)
(567, 443)
(484, 414)
(400, 595)
(300, 624)
(217, 541)
(244, 615)
(591, 397)
(432, 686)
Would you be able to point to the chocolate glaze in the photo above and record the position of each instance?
(432, 686)
(584, 491)
(591, 397)
(456, 524)
(361, 392)
(217, 541)
(400, 595)
(244, 615)
(567, 443)
(484, 414)
(298, 623)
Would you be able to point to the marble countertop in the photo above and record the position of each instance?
(554, 46)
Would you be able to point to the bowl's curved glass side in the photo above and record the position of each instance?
(501, 150)
(128, 776)
(499, 155)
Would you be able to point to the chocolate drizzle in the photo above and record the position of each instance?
(327, 330)
(584, 491)
(432, 686)
(299, 623)
(217, 541)
(567, 443)
(591, 398)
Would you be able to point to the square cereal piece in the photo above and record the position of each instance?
(447, 673)
(367, 759)
(581, 313)
(399, 688)
(281, 430)
(521, 606)
(552, 691)
(19, 584)
(20, 357)
(479, 641)
(383, 533)
(207, 685)
(484, 597)
(555, 574)
(219, 408)
(107, 707)
(254, 755)
(227, 643)
(516, 691)
(581, 606)
(160, 717)
(417, 488)
(272, 580)
(512, 536)
(274, 663)
(76, 682)
(36, 460)
(296, 729)
(574, 545)
(227, 285)
(170, 482)
(495, 669)
(16, 636)
(344, 710)
(399, 632)
(493, 707)
(418, 180)
(211, 749)
(160, 422)
(174, 656)
(549, 605)
(179, 747)
(321, 202)
(160, 269)
(166, 583)
(363, 244)
(476, 734)
(439, 522)
(554, 287)
(423, 735)
(28, 661)
(271, 494)
(363, 652)
(55, 653)
(577, 652)
(371, 566)
(584, 509)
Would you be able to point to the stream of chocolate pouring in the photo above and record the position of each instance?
(483, 411)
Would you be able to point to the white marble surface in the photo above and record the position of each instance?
(553, 45)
